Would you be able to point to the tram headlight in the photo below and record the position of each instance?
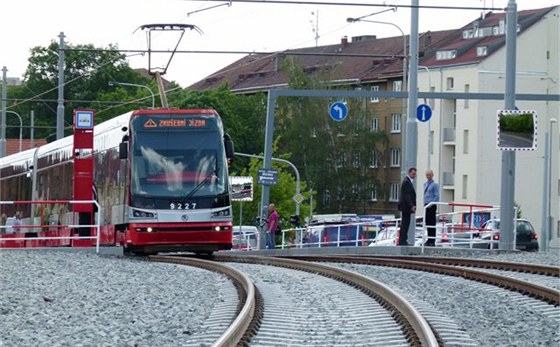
(143, 214)
(222, 213)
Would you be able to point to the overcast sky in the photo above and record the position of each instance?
(238, 27)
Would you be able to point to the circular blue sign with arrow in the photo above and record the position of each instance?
(423, 112)
(338, 111)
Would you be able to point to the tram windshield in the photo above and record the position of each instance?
(171, 159)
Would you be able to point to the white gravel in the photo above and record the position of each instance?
(76, 298)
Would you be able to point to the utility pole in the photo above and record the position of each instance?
(60, 107)
(507, 213)
(3, 121)
(411, 141)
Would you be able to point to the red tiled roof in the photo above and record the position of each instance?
(365, 59)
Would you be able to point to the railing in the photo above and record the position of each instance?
(461, 228)
(9, 233)
(334, 235)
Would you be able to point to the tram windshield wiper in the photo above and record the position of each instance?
(203, 182)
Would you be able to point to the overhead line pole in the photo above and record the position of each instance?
(411, 133)
(60, 106)
(507, 214)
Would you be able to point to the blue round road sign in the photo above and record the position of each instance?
(423, 112)
(338, 111)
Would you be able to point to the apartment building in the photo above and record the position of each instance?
(459, 141)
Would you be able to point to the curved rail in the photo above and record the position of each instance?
(416, 328)
(546, 294)
(538, 269)
(238, 328)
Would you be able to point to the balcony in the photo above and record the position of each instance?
(449, 136)
(448, 179)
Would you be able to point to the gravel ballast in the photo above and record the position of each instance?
(77, 298)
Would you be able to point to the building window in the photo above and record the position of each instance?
(372, 192)
(465, 142)
(358, 125)
(431, 102)
(341, 159)
(374, 125)
(326, 197)
(431, 142)
(449, 83)
(395, 123)
(467, 90)
(374, 161)
(357, 159)
(465, 178)
(355, 190)
(395, 157)
(374, 98)
(481, 51)
(394, 192)
(397, 86)
(446, 55)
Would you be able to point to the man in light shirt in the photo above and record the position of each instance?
(431, 194)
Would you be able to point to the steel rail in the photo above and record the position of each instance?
(538, 269)
(238, 328)
(415, 327)
(542, 293)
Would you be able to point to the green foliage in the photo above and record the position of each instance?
(518, 210)
(522, 123)
(87, 72)
(334, 156)
(280, 194)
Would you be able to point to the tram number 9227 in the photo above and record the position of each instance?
(182, 206)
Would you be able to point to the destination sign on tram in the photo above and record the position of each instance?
(176, 123)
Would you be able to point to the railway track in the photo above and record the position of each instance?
(264, 318)
(465, 268)
(392, 312)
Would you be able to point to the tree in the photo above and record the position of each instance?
(280, 194)
(335, 155)
(87, 72)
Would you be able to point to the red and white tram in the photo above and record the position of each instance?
(161, 180)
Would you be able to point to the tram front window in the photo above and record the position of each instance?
(171, 165)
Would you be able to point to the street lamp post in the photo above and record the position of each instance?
(20, 127)
(547, 187)
(112, 83)
(405, 64)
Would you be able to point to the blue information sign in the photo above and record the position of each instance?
(423, 112)
(267, 177)
(338, 111)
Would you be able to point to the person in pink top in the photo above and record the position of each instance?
(272, 226)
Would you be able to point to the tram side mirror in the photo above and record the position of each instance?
(228, 144)
(123, 150)
(517, 130)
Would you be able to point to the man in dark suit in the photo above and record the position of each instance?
(407, 205)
